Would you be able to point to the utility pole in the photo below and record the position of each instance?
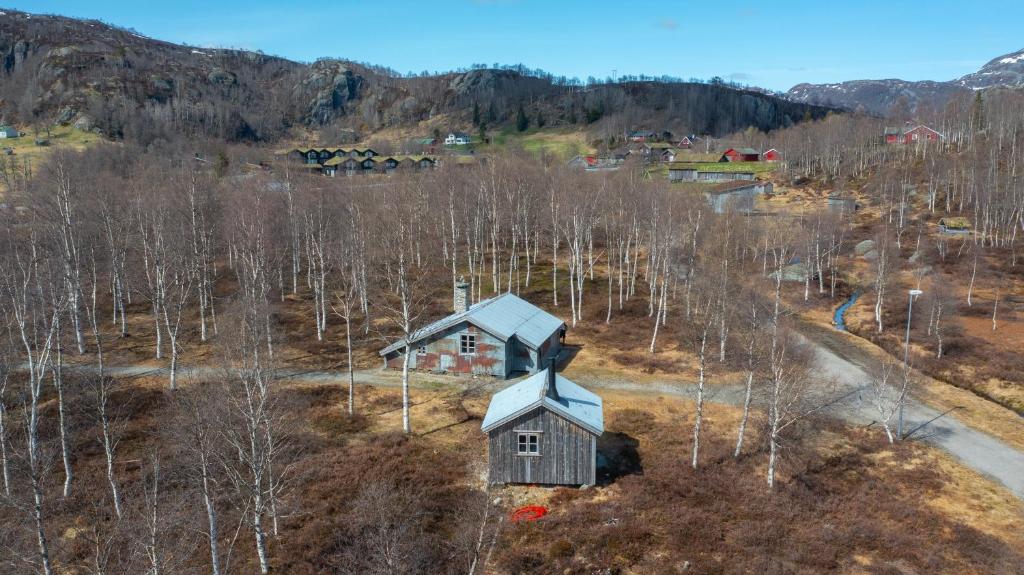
(906, 363)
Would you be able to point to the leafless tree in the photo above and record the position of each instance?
(889, 385)
(34, 317)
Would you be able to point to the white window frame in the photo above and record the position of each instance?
(467, 344)
(528, 443)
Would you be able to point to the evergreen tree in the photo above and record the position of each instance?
(492, 114)
(572, 116)
(540, 119)
(522, 122)
(978, 112)
(482, 134)
(476, 114)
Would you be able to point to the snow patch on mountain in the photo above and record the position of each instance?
(878, 96)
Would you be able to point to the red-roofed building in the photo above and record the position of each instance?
(911, 135)
(740, 155)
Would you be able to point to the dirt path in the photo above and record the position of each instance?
(843, 389)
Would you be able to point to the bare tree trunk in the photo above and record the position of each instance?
(65, 447)
(406, 424)
(211, 515)
(4, 469)
(702, 358)
(750, 381)
(351, 373)
(152, 496)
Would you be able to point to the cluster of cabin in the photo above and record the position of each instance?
(678, 155)
(542, 430)
(667, 153)
(349, 161)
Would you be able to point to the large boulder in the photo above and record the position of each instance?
(791, 273)
(84, 123)
(864, 247)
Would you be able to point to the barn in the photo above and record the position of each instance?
(497, 336)
(543, 430)
(771, 155)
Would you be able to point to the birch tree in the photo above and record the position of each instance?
(34, 319)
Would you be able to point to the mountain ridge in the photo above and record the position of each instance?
(879, 96)
(125, 84)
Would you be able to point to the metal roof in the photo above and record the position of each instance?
(573, 402)
(503, 316)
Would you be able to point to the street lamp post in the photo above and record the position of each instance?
(906, 357)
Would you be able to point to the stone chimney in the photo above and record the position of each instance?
(461, 303)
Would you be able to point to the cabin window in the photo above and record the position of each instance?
(421, 350)
(528, 444)
(467, 344)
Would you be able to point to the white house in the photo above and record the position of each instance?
(457, 139)
(8, 132)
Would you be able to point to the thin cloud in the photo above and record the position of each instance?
(668, 24)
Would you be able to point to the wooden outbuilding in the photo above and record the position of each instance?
(955, 225)
(843, 204)
(543, 430)
(736, 195)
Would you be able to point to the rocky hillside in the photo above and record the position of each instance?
(124, 84)
(879, 96)
(1006, 70)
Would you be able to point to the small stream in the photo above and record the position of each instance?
(841, 310)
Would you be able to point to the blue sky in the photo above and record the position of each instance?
(770, 44)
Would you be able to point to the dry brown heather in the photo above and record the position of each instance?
(976, 357)
(848, 502)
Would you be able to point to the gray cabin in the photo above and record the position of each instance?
(738, 195)
(497, 336)
(543, 430)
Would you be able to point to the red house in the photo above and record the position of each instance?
(740, 155)
(686, 143)
(771, 155)
(911, 135)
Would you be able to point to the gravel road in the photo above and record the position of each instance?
(843, 388)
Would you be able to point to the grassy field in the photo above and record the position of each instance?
(24, 150)
(756, 167)
(562, 144)
(25, 146)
